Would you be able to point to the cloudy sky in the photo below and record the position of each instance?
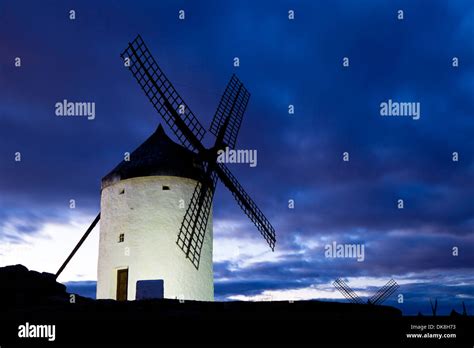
(282, 62)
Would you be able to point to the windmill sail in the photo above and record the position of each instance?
(247, 205)
(345, 290)
(193, 228)
(232, 105)
(163, 96)
(383, 293)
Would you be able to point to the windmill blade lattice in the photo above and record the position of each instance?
(247, 205)
(383, 293)
(232, 105)
(163, 95)
(190, 132)
(345, 290)
(225, 126)
(193, 228)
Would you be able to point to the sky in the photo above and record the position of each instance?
(300, 155)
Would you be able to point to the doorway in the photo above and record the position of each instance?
(122, 284)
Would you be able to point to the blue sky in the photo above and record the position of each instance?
(282, 62)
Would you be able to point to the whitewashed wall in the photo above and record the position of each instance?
(150, 219)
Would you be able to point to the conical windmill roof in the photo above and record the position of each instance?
(157, 156)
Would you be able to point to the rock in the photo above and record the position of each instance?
(21, 286)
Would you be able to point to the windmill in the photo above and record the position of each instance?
(191, 234)
(378, 298)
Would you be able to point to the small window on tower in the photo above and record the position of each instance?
(122, 191)
(121, 238)
(166, 188)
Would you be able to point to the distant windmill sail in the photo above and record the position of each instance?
(383, 293)
(378, 298)
(345, 290)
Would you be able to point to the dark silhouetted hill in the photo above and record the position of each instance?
(35, 295)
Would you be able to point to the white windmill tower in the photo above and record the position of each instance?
(159, 204)
(142, 207)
